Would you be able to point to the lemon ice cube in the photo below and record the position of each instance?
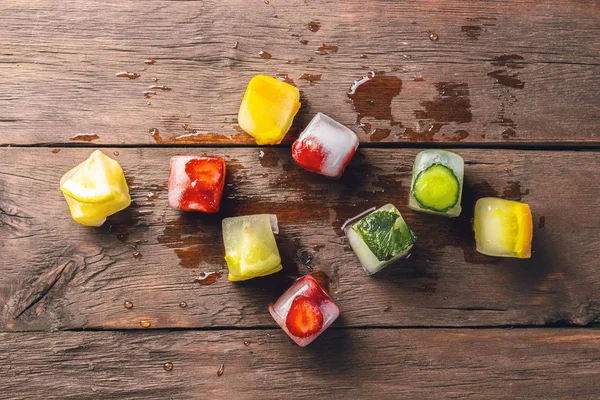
(250, 247)
(268, 109)
(503, 228)
(95, 189)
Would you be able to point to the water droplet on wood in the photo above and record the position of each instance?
(433, 37)
(160, 87)
(208, 278)
(128, 304)
(183, 304)
(265, 54)
(145, 323)
(85, 138)
(314, 26)
(236, 44)
(310, 77)
(130, 75)
(221, 370)
(116, 153)
(168, 366)
(156, 135)
(55, 151)
(149, 62)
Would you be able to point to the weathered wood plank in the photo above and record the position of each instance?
(349, 363)
(57, 274)
(499, 72)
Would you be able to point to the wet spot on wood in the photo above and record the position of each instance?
(193, 238)
(208, 278)
(325, 48)
(310, 77)
(457, 136)
(85, 137)
(472, 31)
(542, 222)
(285, 78)
(512, 61)
(513, 191)
(264, 54)
(314, 26)
(379, 134)
(155, 133)
(506, 76)
(130, 75)
(509, 134)
(164, 88)
(372, 96)
(268, 158)
(451, 105)
(55, 151)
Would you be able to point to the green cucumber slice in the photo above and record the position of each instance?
(437, 188)
(385, 233)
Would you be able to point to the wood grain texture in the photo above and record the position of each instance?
(387, 364)
(500, 72)
(57, 274)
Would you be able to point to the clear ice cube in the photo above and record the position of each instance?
(325, 146)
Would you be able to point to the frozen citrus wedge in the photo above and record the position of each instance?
(268, 109)
(503, 228)
(95, 189)
(250, 247)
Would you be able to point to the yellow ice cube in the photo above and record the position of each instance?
(268, 109)
(95, 189)
(503, 228)
(250, 247)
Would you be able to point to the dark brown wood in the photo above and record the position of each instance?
(265, 364)
(476, 72)
(58, 274)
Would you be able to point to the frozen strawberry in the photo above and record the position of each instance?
(325, 147)
(305, 310)
(309, 155)
(304, 318)
(206, 171)
(196, 183)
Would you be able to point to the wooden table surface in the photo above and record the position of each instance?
(512, 86)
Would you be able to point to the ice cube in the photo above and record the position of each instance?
(196, 183)
(325, 146)
(437, 181)
(95, 189)
(250, 247)
(379, 237)
(503, 228)
(268, 109)
(304, 311)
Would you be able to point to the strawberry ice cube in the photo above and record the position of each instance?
(304, 311)
(325, 147)
(196, 183)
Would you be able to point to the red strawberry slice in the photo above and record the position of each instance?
(207, 176)
(304, 318)
(309, 154)
(206, 172)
